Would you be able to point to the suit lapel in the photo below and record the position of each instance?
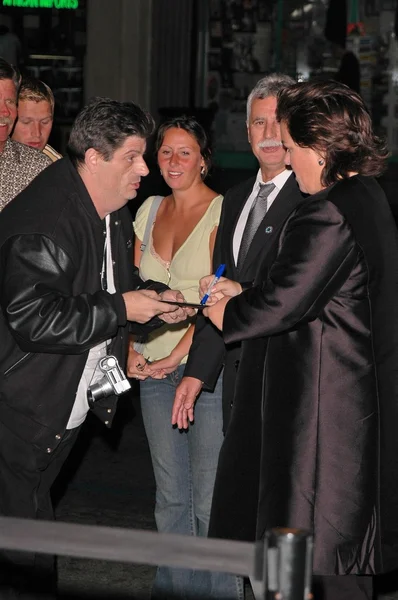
(286, 201)
(235, 205)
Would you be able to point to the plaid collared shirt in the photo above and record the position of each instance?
(19, 164)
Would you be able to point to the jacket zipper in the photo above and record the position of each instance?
(15, 365)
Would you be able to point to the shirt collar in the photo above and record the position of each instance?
(278, 181)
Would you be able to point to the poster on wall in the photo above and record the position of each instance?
(239, 48)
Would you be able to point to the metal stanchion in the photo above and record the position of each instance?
(279, 568)
(284, 566)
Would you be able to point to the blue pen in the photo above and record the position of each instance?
(217, 276)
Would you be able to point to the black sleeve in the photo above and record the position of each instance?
(206, 355)
(140, 284)
(39, 304)
(142, 329)
(317, 253)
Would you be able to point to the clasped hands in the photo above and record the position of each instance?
(148, 301)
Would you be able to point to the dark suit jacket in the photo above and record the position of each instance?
(327, 312)
(208, 352)
(241, 395)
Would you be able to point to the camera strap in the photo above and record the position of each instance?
(107, 276)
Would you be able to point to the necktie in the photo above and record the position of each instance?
(256, 215)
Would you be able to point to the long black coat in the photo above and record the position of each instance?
(327, 311)
(209, 354)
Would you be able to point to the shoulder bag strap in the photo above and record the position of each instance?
(151, 219)
(139, 343)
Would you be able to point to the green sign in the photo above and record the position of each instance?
(72, 4)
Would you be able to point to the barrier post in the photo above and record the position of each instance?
(289, 564)
(283, 565)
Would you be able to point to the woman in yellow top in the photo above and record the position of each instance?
(178, 253)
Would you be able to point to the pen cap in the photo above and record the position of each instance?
(220, 270)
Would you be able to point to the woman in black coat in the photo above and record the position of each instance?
(328, 311)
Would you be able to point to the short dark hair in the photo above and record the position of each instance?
(7, 71)
(332, 119)
(104, 124)
(35, 90)
(194, 128)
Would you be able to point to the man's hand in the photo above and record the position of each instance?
(180, 313)
(224, 287)
(216, 312)
(143, 305)
(184, 402)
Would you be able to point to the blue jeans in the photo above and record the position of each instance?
(185, 463)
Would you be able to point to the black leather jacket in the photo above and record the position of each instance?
(53, 307)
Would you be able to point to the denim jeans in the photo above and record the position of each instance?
(184, 464)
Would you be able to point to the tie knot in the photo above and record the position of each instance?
(265, 190)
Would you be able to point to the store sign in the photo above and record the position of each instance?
(72, 4)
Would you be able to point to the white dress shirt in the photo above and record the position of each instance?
(278, 181)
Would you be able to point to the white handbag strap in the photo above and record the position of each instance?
(151, 219)
(139, 343)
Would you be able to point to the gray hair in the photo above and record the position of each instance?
(270, 85)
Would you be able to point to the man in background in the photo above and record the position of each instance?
(252, 218)
(208, 352)
(35, 116)
(349, 69)
(19, 164)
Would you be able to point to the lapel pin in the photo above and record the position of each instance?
(269, 229)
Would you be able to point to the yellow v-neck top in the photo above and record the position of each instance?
(189, 264)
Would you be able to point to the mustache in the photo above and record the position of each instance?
(5, 121)
(270, 144)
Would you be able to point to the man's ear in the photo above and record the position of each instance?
(91, 159)
(248, 132)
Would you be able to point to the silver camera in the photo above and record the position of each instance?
(113, 382)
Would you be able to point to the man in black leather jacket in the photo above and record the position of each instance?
(66, 298)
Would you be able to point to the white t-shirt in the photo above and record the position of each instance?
(80, 407)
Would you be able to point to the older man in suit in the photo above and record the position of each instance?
(252, 218)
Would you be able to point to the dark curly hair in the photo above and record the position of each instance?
(194, 128)
(332, 119)
(104, 124)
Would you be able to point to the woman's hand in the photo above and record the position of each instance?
(158, 369)
(216, 312)
(136, 364)
(224, 287)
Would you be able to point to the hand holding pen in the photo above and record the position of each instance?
(213, 288)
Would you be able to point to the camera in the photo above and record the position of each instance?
(113, 382)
